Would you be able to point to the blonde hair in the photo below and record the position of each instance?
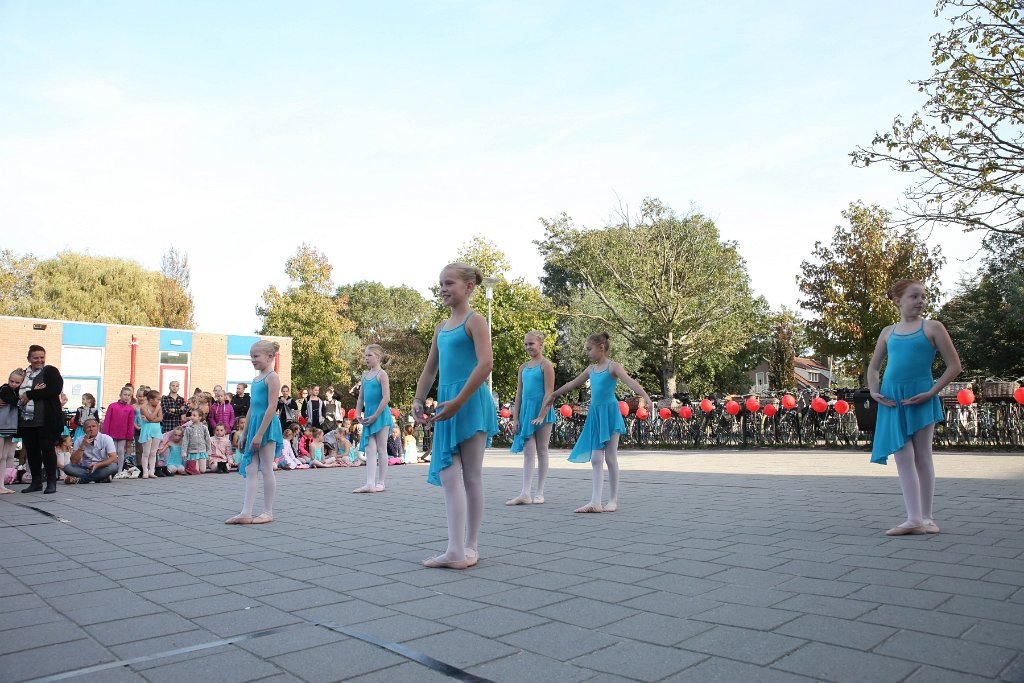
(267, 346)
(17, 372)
(385, 359)
(600, 338)
(467, 273)
(536, 334)
(898, 288)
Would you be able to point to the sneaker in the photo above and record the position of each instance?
(70, 480)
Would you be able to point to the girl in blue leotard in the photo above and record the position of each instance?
(599, 440)
(531, 419)
(465, 419)
(263, 438)
(372, 404)
(908, 403)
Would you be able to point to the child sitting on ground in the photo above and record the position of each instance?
(220, 450)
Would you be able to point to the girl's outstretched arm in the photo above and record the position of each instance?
(572, 384)
(426, 378)
(875, 369)
(619, 373)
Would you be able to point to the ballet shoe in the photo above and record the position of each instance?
(590, 507)
(473, 557)
(263, 518)
(906, 531)
(365, 489)
(379, 488)
(610, 507)
(931, 527)
(523, 499)
(538, 499)
(239, 519)
(436, 563)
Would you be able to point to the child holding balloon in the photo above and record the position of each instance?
(599, 441)
(908, 402)
(531, 423)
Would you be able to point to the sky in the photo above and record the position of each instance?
(388, 134)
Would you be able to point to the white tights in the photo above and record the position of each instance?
(148, 464)
(597, 461)
(917, 476)
(263, 461)
(376, 460)
(536, 450)
(463, 486)
(119, 446)
(6, 457)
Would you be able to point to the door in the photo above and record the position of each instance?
(174, 373)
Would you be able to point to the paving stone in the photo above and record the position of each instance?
(493, 622)
(844, 608)
(408, 672)
(840, 664)
(835, 589)
(928, 621)
(899, 596)
(40, 635)
(559, 641)
(460, 648)
(524, 598)
(656, 628)
(52, 659)
(207, 605)
(28, 617)
(438, 607)
(585, 612)
(527, 666)
(304, 598)
(139, 628)
(641, 661)
(719, 670)
(931, 674)
(401, 627)
(294, 639)
(964, 587)
(232, 666)
(390, 594)
(948, 653)
(245, 621)
(842, 632)
(671, 604)
(986, 609)
(756, 647)
(744, 616)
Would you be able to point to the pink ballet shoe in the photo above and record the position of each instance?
(907, 531)
(437, 563)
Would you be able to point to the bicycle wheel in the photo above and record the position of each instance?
(788, 429)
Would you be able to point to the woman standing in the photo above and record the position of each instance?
(41, 419)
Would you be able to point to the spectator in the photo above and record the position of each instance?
(313, 409)
(240, 400)
(331, 410)
(119, 423)
(42, 419)
(395, 447)
(287, 409)
(93, 458)
(221, 412)
(300, 401)
(174, 408)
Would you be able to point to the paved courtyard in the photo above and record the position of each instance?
(718, 566)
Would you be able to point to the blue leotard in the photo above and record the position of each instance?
(529, 406)
(456, 358)
(908, 372)
(258, 403)
(373, 394)
(603, 417)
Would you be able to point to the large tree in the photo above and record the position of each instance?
(783, 351)
(175, 290)
(309, 312)
(666, 284)
(967, 142)
(843, 285)
(985, 316)
(87, 288)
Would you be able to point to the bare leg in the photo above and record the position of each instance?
(611, 456)
(541, 438)
(925, 467)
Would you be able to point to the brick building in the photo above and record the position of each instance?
(97, 359)
(809, 373)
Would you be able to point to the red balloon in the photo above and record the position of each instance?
(352, 413)
(642, 414)
(686, 412)
(753, 405)
(395, 412)
(707, 406)
(303, 420)
(624, 408)
(788, 401)
(665, 413)
(1018, 394)
(506, 413)
(842, 407)
(566, 410)
(965, 397)
(770, 409)
(732, 407)
(819, 405)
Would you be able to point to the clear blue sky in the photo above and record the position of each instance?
(387, 134)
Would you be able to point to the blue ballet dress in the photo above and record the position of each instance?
(373, 394)
(150, 430)
(603, 418)
(907, 373)
(529, 406)
(258, 403)
(173, 456)
(456, 355)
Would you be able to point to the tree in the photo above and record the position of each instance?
(85, 288)
(308, 312)
(782, 356)
(175, 290)
(15, 279)
(517, 308)
(985, 316)
(667, 284)
(967, 143)
(844, 284)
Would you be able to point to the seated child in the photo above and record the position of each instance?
(287, 459)
(316, 450)
(63, 454)
(409, 441)
(220, 450)
(170, 454)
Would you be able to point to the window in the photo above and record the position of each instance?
(759, 380)
(173, 358)
(814, 376)
(82, 368)
(239, 369)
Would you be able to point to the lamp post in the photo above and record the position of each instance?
(489, 283)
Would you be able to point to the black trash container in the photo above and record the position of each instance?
(866, 409)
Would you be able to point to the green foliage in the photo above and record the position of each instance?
(965, 143)
(315, 320)
(86, 288)
(174, 291)
(666, 286)
(843, 286)
(782, 354)
(985, 317)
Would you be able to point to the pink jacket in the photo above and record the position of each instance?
(119, 421)
(220, 449)
(221, 414)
